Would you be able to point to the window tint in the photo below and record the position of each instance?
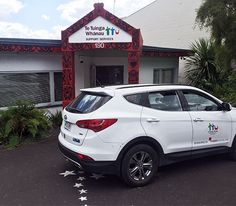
(164, 100)
(198, 102)
(134, 98)
(87, 102)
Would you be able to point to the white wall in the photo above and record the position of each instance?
(148, 64)
(23, 62)
(168, 23)
(82, 70)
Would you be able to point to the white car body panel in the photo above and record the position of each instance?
(175, 131)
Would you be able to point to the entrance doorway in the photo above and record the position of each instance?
(109, 75)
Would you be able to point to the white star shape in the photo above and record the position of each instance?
(78, 185)
(83, 198)
(96, 176)
(81, 178)
(66, 173)
(82, 191)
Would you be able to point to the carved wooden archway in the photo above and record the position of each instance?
(68, 49)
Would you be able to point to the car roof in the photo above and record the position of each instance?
(135, 88)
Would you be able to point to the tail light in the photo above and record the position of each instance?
(96, 125)
(84, 157)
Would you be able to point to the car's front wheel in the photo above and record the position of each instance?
(139, 165)
(233, 151)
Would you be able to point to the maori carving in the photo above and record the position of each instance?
(165, 54)
(68, 77)
(133, 48)
(28, 48)
(133, 67)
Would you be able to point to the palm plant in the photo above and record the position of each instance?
(201, 68)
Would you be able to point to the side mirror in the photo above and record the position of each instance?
(226, 106)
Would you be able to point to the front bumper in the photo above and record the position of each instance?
(104, 167)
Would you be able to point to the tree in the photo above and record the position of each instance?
(201, 68)
(220, 17)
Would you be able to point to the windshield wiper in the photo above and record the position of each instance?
(73, 110)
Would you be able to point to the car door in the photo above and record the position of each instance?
(211, 125)
(164, 119)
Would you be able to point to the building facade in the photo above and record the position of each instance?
(98, 50)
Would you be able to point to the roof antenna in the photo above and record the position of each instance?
(114, 6)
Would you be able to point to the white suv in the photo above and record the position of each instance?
(131, 130)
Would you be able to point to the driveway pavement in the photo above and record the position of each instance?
(37, 174)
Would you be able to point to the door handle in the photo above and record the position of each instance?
(153, 120)
(198, 120)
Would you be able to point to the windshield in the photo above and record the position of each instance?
(87, 102)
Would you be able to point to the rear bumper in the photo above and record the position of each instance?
(104, 167)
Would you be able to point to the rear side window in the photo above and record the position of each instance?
(87, 102)
(164, 100)
(138, 99)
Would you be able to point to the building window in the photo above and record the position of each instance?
(34, 87)
(58, 86)
(163, 76)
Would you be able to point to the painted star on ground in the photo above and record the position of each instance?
(67, 173)
(78, 185)
(83, 198)
(81, 178)
(96, 176)
(83, 191)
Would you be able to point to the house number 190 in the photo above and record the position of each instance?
(99, 45)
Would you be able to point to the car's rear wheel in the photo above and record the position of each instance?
(139, 165)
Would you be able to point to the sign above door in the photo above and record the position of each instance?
(100, 31)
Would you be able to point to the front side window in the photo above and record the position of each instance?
(198, 102)
(164, 100)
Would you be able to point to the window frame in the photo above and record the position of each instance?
(185, 102)
(170, 90)
(52, 102)
(145, 102)
(160, 75)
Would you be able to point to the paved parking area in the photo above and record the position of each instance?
(37, 174)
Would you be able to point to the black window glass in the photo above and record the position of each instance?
(32, 87)
(87, 102)
(164, 100)
(134, 98)
(58, 86)
(198, 102)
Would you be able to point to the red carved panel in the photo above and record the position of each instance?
(68, 77)
(165, 54)
(28, 48)
(133, 67)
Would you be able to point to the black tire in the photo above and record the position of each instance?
(233, 151)
(139, 165)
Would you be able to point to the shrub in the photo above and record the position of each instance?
(22, 121)
(56, 119)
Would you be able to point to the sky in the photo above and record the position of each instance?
(39, 19)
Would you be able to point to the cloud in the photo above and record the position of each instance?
(9, 7)
(76, 9)
(18, 30)
(45, 17)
